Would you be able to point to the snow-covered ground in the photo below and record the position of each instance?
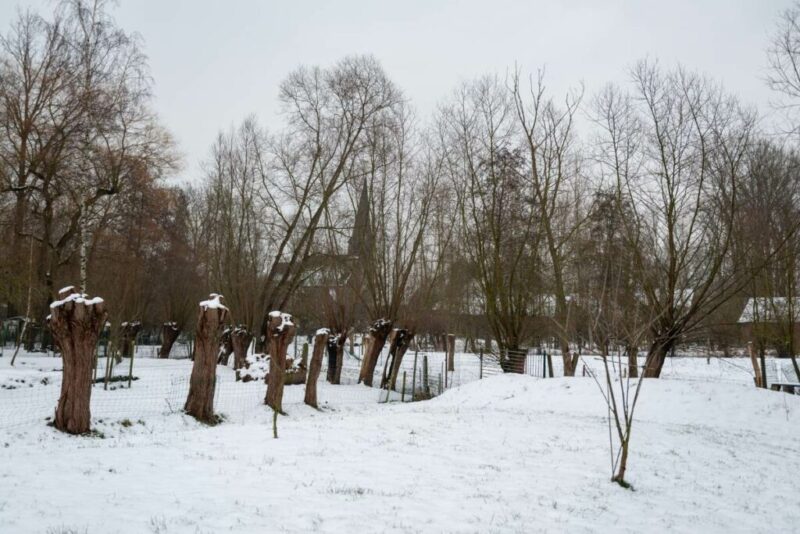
(508, 453)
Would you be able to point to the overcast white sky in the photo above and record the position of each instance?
(214, 61)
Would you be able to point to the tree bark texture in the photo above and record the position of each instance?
(128, 333)
(225, 347)
(200, 401)
(656, 357)
(633, 363)
(314, 368)
(76, 323)
(400, 340)
(241, 338)
(279, 331)
(169, 334)
(451, 352)
(379, 332)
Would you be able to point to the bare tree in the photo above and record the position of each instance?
(783, 57)
(496, 227)
(683, 193)
(552, 166)
(767, 244)
(330, 113)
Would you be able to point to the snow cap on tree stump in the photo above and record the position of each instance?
(69, 296)
(280, 322)
(214, 302)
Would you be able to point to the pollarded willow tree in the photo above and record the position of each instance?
(200, 401)
(76, 322)
(691, 142)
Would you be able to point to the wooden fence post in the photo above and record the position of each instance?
(451, 352)
(109, 367)
(130, 368)
(756, 370)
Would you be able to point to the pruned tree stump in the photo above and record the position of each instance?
(400, 340)
(241, 338)
(200, 401)
(225, 347)
(127, 336)
(378, 332)
(320, 345)
(169, 334)
(76, 322)
(279, 331)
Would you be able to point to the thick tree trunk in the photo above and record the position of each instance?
(76, 322)
(200, 402)
(330, 350)
(570, 360)
(335, 349)
(128, 333)
(169, 334)
(400, 341)
(279, 332)
(337, 375)
(241, 338)
(656, 356)
(366, 343)
(451, 352)
(633, 363)
(320, 344)
(225, 347)
(379, 331)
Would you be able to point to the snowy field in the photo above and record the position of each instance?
(710, 453)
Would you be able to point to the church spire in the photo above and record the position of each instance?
(360, 238)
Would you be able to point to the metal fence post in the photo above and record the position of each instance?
(425, 383)
(544, 364)
(414, 376)
(480, 374)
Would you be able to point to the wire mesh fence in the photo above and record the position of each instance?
(150, 386)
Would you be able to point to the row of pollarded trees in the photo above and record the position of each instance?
(77, 320)
(630, 235)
